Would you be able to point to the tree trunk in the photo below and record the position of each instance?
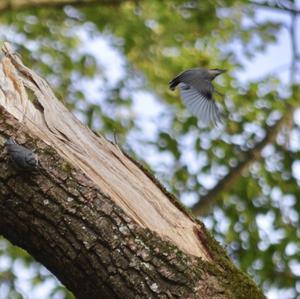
(103, 225)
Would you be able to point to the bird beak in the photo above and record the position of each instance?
(222, 71)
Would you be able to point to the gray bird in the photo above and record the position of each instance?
(22, 157)
(197, 92)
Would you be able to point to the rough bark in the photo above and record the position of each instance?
(101, 224)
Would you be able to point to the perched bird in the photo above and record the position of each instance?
(197, 92)
(23, 158)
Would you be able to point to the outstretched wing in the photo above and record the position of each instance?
(200, 102)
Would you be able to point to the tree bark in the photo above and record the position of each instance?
(93, 216)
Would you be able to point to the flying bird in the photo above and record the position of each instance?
(197, 91)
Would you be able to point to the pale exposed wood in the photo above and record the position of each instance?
(101, 161)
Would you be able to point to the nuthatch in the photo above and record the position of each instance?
(22, 157)
(197, 92)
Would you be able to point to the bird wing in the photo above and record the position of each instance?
(200, 102)
(189, 77)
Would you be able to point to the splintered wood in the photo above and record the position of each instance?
(30, 100)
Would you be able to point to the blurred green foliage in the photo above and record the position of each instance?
(257, 219)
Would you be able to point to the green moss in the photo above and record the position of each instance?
(234, 280)
(65, 167)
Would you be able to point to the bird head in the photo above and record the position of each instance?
(9, 141)
(213, 73)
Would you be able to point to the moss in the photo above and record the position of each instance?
(239, 283)
(65, 167)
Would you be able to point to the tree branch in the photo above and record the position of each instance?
(12, 5)
(101, 224)
(268, 5)
(205, 203)
(294, 48)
